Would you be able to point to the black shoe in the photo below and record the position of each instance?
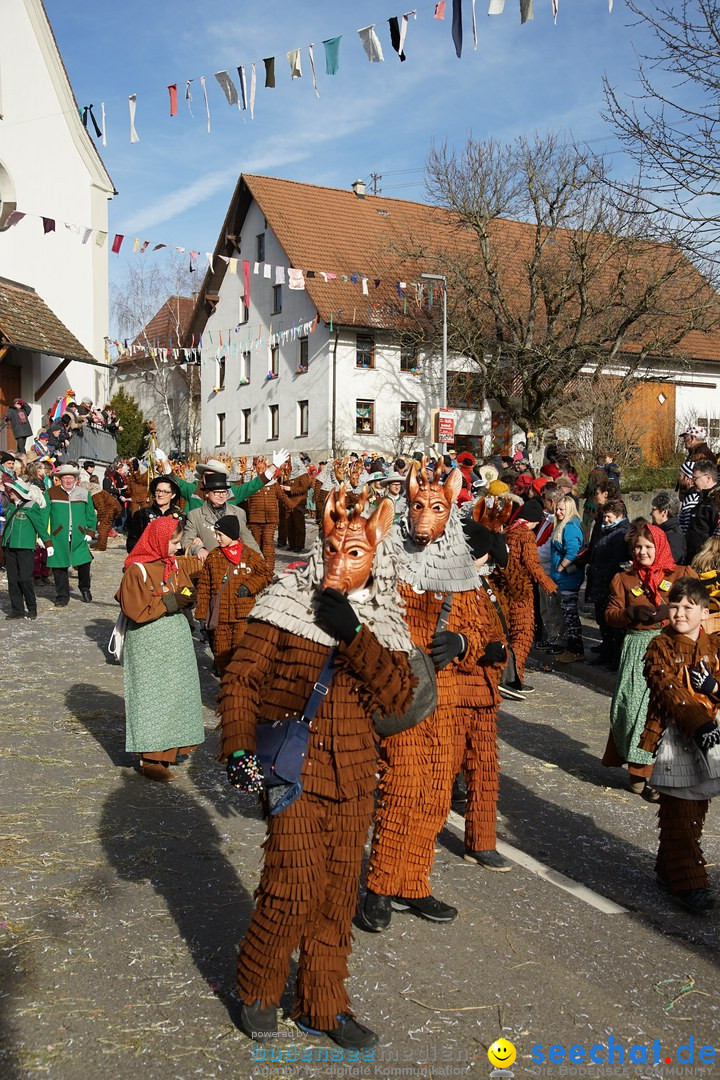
(427, 907)
(62, 602)
(86, 596)
(349, 1033)
(15, 615)
(257, 1023)
(376, 912)
(526, 688)
(507, 691)
(695, 900)
(32, 615)
(489, 860)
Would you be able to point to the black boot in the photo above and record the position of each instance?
(349, 1033)
(257, 1023)
(376, 912)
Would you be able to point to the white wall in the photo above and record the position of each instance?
(53, 173)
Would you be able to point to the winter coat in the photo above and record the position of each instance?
(23, 524)
(626, 591)
(72, 519)
(200, 528)
(676, 539)
(567, 547)
(703, 522)
(194, 496)
(609, 551)
(18, 420)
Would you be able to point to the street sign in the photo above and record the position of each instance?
(446, 426)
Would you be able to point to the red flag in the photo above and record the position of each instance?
(440, 10)
(117, 242)
(172, 90)
(246, 282)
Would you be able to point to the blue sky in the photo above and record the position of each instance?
(175, 184)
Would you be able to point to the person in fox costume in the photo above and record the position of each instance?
(526, 570)
(439, 584)
(340, 609)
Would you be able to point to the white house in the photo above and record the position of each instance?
(319, 368)
(53, 286)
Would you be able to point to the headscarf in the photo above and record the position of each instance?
(153, 545)
(663, 564)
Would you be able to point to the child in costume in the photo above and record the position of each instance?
(682, 669)
(345, 599)
(232, 576)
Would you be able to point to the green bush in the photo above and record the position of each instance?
(130, 439)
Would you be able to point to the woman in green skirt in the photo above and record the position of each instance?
(638, 604)
(161, 721)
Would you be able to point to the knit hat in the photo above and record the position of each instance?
(687, 469)
(497, 487)
(531, 511)
(466, 459)
(228, 526)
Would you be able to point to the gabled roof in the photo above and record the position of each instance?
(28, 323)
(331, 229)
(58, 73)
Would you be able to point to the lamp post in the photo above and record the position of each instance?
(443, 279)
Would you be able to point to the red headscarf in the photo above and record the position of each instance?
(662, 564)
(153, 544)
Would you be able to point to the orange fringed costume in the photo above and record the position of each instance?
(252, 572)
(107, 508)
(262, 516)
(680, 859)
(524, 569)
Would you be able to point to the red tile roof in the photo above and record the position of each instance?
(330, 229)
(27, 322)
(166, 329)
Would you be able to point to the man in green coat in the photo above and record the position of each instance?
(73, 522)
(193, 492)
(25, 521)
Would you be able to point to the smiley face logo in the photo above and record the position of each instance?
(502, 1054)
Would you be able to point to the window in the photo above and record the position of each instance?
(277, 300)
(220, 374)
(275, 360)
(304, 352)
(244, 312)
(260, 247)
(273, 422)
(220, 429)
(408, 358)
(712, 426)
(465, 390)
(365, 417)
(245, 425)
(365, 351)
(302, 418)
(408, 417)
(245, 368)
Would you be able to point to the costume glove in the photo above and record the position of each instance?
(279, 458)
(641, 614)
(445, 647)
(336, 614)
(702, 680)
(662, 613)
(495, 653)
(244, 772)
(707, 736)
(243, 591)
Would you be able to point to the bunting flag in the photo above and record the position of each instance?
(253, 87)
(312, 68)
(227, 86)
(269, 63)
(295, 66)
(496, 7)
(457, 29)
(102, 119)
(440, 10)
(243, 87)
(526, 11)
(117, 243)
(61, 405)
(332, 55)
(88, 111)
(172, 91)
(395, 36)
(474, 27)
(371, 44)
(48, 225)
(207, 106)
(188, 95)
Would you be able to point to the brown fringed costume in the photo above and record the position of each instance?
(138, 485)
(220, 576)
(680, 860)
(292, 495)
(417, 767)
(107, 508)
(262, 515)
(313, 853)
(524, 570)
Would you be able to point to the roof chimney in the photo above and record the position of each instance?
(359, 188)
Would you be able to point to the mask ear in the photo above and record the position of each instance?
(329, 514)
(380, 522)
(480, 510)
(411, 484)
(453, 485)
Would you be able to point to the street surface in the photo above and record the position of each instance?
(122, 901)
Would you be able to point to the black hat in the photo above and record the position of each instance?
(229, 525)
(531, 511)
(5, 457)
(483, 541)
(167, 480)
(213, 481)
(89, 465)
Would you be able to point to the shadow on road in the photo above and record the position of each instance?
(103, 714)
(546, 743)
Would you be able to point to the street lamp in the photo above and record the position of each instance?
(442, 277)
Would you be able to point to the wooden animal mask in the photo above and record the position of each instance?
(351, 540)
(430, 503)
(355, 472)
(260, 464)
(339, 467)
(242, 466)
(493, 512)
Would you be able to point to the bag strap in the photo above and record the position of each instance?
(320, 689)
(444, 616)
(497, 605)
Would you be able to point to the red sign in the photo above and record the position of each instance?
(446, 426)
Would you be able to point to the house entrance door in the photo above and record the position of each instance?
(9, 390)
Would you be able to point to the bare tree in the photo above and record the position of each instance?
(173, 386)
(672, 128)
(550, 275)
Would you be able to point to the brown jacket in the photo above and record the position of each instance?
(672, 698)
(262, 507)
(141, 596)
(271, 677)
(626, 592)
(297, 495)
(252, 572)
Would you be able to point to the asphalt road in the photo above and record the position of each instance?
(122, 901)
